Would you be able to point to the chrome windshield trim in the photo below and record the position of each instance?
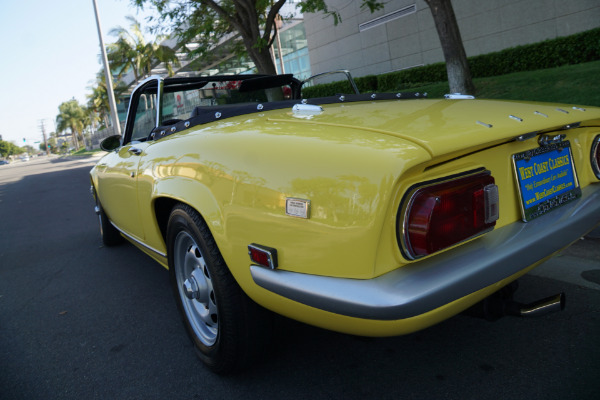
(152, 249)
(159, 101)
(131, 108)
(433, 282)
(337, 71)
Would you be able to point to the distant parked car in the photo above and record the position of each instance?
(4, 162)
(24, 158)
(368, 214)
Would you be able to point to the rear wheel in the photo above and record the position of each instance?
(226, 327)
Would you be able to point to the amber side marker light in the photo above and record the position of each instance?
(595, 156)
(440, 215)
(263, 255)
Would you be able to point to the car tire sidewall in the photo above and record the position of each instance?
(109, 234)
(222, 356)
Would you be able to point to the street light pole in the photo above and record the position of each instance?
(109, 87)
(44, 135)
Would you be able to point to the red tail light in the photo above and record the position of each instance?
(595, 159)
(439, 215)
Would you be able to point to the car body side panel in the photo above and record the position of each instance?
(116, 175)
(241, 191)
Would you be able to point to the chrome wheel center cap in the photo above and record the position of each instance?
(190, 288)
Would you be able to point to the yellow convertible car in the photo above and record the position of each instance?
(369, 214)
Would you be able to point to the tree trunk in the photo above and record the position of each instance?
(459, 74)
(75, 140)
(246, 22)
(262, 60)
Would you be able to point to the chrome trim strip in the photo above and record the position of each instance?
(152, 249)
(527, 136)
(433, 282)
(159, 101)
(515, 118)
(338, 71)
(458, 96)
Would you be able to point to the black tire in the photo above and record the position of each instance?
(227, 328)
(109, 234)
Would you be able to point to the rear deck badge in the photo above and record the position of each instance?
(297, 207)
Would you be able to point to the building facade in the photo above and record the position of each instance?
(403, 35)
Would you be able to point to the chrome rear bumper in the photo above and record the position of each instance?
(425, 285)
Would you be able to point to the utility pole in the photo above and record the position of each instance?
(44, 135)
(109, 86)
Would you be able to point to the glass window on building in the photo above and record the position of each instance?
(293, 48)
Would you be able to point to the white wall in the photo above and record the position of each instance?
(485, 25)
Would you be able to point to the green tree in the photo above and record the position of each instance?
(97, 103)
(52, 142)
(71, 116)
(206, 22)
(9, 149)
(131, 52)
(315, 6)
(98, 98)
(42, 147)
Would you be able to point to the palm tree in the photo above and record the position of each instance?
(98, 102)
(132, 52)
(98, 99)
(71, 116)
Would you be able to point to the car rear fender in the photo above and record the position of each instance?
(172, 191)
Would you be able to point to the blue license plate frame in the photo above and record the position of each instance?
(546, 179)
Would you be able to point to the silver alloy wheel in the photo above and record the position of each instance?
(195, 288)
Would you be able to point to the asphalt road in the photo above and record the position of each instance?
(78, 320)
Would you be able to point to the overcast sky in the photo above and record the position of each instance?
(49, 54)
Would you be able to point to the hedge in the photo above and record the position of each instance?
(365, 84)
(575, 49)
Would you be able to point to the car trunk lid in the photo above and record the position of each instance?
(446, 127)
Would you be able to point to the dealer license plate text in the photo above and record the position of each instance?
(546, 179)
